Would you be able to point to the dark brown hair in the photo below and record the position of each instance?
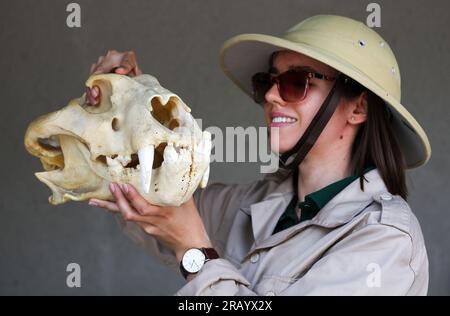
(376, 144)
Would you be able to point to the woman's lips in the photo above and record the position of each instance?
(280, 124)
(281, 120)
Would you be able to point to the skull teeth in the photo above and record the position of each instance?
(146, 155)
(112, 162)
(118, 160)
(173, 153)
(124, 160)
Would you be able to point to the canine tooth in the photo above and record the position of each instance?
(204, 147)
(207, 148)
(205, 178)
(146, 155)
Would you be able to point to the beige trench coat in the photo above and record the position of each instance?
(360, 243)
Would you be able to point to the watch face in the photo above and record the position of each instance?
(193, 260)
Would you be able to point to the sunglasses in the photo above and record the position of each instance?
(292, 84)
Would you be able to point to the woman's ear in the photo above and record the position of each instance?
(357, 113)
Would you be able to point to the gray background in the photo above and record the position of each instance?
(44, 63)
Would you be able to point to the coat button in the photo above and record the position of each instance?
(254, 258)
(386, 197)
(270, 293)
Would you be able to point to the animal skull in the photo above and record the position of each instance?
(139, 133)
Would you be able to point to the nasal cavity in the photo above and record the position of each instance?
(51, 143)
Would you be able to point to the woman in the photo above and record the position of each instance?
(334, 219)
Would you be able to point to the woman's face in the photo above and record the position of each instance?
(302, 112)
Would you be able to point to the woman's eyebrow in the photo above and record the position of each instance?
(307, 68)
(274, 70)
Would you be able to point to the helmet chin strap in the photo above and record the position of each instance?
(292, 158)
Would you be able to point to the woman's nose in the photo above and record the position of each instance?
(273, 95)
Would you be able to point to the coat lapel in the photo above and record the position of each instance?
(338, 211)
(265, 215)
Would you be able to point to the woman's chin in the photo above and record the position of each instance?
(282, 141)
(280, 148)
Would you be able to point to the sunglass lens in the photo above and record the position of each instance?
(292, 85)
(261, 83)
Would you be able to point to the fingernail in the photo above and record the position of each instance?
(112, 187)
(124, 187)
(92, 203)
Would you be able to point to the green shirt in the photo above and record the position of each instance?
(313, 202)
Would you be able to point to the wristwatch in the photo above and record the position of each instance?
(194, 259)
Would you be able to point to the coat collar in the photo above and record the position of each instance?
(338, 211)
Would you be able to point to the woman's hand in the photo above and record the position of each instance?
(179, 228)
(123, 63)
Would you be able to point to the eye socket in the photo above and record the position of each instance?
(105, 92)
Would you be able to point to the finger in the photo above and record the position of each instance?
(92, 68)
(137, 70)
(137, 201)
(100, 59)
(89, 98)
(111, 206)
(111, 61)
(92, 95)
(127, 212)
(105, 67)
(123, 69)
(95, 65)
(95, 91)
(128, 64)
